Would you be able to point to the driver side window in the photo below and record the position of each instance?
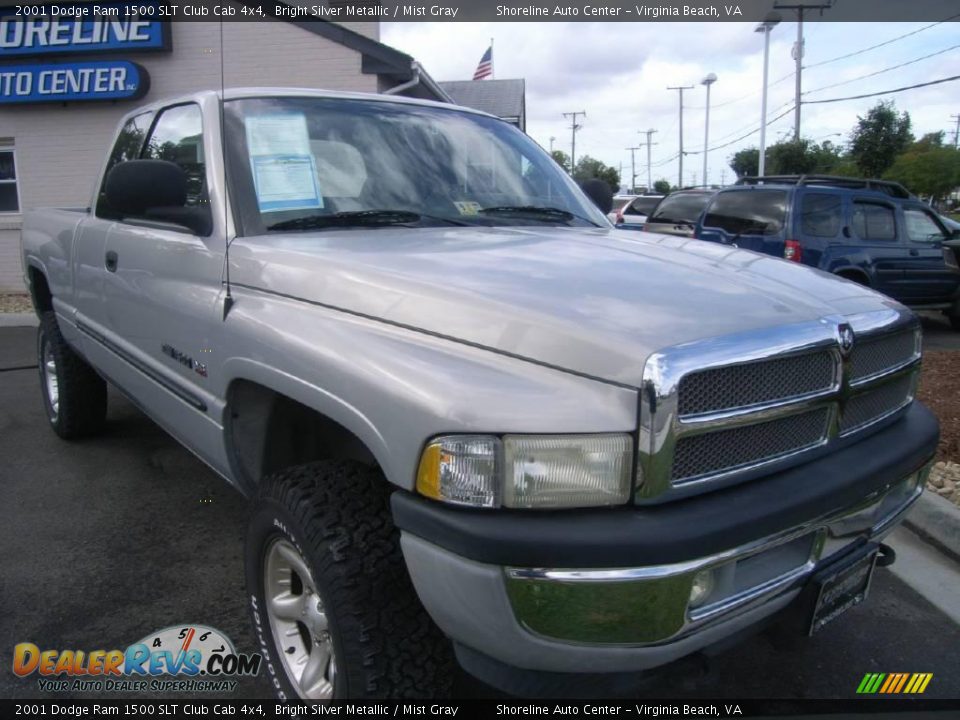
(921, 227)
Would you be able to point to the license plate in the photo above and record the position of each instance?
(841, 589)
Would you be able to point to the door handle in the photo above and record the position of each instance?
(914, 252)
(111, 261)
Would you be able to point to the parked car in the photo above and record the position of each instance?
(619, 201)
(872, 232)
(677, 214)
(474, 421)
(632, 215)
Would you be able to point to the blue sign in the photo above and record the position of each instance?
(63, 82)
(52, 35)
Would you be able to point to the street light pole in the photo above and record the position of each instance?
(552, 138)
(769, 22)
(708, 81)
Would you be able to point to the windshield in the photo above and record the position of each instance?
(681, 208)
(311, 163)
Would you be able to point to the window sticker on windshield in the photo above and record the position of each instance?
(467, 207)
(284, 169)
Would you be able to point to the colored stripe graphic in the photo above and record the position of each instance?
(894, 683)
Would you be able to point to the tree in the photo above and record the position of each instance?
(745, 162)
(662, 187)
(929, 170)
(879, 138)
(801, 157)
(589, 168)
(561, 158)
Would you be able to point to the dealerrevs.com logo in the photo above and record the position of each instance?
(185, 658)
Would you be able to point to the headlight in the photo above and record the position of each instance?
(528, 471)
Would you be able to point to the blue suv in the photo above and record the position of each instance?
(873, 232)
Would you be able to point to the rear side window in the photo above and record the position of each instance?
(128, 145)
(820, 215)
(873, 221)
(177, 137)
(921, 227)
(753, 212)
(643, 205)
(680, 208)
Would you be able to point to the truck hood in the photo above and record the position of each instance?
(596, 302)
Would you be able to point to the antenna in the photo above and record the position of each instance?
(228, 297)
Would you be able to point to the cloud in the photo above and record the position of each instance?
(619, 71)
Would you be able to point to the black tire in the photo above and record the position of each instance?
(337, 516)
(954, 322)
(81, 407)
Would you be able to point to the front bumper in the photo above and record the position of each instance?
(598, 591)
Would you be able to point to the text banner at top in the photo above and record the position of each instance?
(481, 11)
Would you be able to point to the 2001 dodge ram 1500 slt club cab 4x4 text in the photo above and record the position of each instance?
(474, 419)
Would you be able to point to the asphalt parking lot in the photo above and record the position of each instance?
(109, 539)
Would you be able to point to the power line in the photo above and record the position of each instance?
(743, 137)
(879, 45)
(742, 97)
(883, 92)
(880, 72)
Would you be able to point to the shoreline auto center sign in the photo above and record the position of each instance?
(33, 82)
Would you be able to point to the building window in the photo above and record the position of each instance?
(9, 195)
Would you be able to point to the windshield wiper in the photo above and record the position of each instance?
(358, 218)
(537, 211)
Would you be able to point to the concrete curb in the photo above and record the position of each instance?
(937, 521)
(27, 319)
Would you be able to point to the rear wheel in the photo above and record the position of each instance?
(74, 395)
(333, 607)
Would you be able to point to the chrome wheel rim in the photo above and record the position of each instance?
(298, 622)
(48, 365)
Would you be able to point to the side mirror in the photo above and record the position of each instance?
(600, 193)
(154, 190)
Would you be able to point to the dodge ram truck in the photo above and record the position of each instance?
(476, 423)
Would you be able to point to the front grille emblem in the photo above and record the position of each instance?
(845, 335)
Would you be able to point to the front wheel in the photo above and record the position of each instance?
(74, 396)
(335, 612)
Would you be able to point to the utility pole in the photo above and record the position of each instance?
(633, 168)
(723, 178)
(681, 88)
(956, 133)
(649, 134)
(573, 136)
(798, 55)
(552, 138)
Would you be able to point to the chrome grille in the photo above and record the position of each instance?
(872, 356)
(714, 411)
(724, 450)
(740, 386)
(876, 403)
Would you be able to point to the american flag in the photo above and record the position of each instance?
(485, 68)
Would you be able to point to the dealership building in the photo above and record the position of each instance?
(64, 85)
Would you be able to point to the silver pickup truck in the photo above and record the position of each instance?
(476, 423)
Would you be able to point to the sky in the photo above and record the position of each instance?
(618, 73)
